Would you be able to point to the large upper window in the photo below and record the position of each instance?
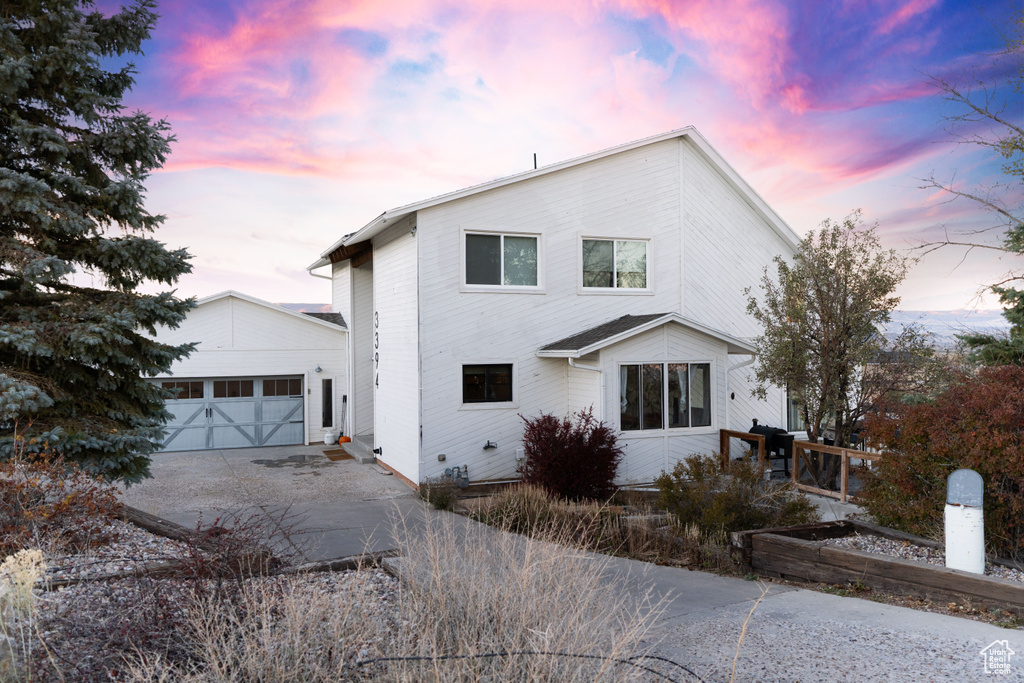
(614, 264)
(664, 396)
(501, 260)
(487, 383)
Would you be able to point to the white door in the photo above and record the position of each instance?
(234, 413)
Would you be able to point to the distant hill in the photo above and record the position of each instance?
(945, 325)
(307, 308)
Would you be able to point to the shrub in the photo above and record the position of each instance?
(698, 492)
(575, 457)
(639, 535)
(47, 502)
(978, 424)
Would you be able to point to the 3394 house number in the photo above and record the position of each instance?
(376, 350)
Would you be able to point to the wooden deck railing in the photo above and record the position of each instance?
(801, 455)
(723, 444)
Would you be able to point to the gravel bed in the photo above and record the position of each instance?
(133, 546)
(910, 551)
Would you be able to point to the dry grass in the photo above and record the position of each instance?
(643, 533)
(475, 605)
(18, 575)
(473, 592)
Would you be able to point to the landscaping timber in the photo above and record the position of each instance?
(800, 554)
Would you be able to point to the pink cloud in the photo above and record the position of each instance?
(903, 14)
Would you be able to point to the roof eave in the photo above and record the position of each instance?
(734, 345)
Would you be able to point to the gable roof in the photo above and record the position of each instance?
(620, 329)
(379, 223)
(309, 318)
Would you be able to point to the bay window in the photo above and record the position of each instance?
(673, 395)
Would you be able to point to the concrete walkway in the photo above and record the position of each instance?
(343, 508)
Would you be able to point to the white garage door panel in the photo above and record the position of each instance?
(243, 436)
(237, 422)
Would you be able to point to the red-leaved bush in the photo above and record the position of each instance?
(575, 457)
(978, 423)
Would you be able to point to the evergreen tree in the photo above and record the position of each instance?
(75, 242)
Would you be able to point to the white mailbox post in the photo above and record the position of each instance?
(965, 522)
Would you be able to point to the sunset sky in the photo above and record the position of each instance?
(298, 122)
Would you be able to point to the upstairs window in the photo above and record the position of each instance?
(614, 264)
(501, 261)
(664, 396)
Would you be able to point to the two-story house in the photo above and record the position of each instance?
(615, 280)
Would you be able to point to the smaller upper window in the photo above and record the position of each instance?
(502, 260)
(615, 264)
(487, 383)
(187, 389)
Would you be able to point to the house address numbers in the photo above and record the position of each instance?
(376, 350)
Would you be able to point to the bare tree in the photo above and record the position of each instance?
(986, 107)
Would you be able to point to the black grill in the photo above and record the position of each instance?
(778, 444)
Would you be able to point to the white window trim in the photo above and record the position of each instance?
(504, 405)
(668, 431)
(617, 291)
(501, 289)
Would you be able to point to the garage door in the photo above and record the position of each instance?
(234, 413)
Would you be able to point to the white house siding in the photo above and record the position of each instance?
(648, 453)
(396, 382)
(341, 289)
(631, 194)
(726, 247)
(583, 387)
(361, 326)
(238, 338)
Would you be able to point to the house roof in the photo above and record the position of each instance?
(379, 223)
(333, 318)
(620, 329)
(315, 319)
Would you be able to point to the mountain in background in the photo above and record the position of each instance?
(307, 308)
(945, 325)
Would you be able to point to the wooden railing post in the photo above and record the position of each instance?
(723, 447)
(844, 477)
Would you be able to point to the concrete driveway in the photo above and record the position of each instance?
(339, 508)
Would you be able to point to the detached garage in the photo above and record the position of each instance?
(261, 375)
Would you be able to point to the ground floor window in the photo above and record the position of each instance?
(794, 413)
(327, 389)
(487, 383)
(673, 395)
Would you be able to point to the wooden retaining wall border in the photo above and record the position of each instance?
(782, 553)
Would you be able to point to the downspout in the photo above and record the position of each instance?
(601, 399)
(322, 277)
(728, 388)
